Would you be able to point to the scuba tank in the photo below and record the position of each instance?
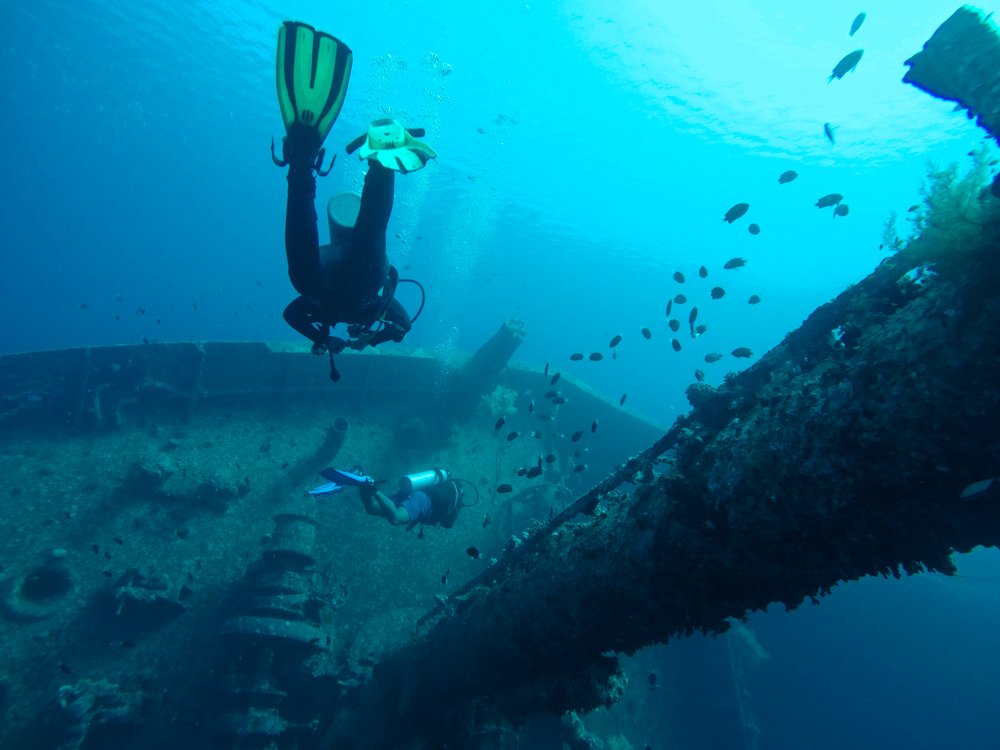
(421, 480)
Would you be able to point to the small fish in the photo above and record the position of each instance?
(841, 210)
(536, 434)
(734, 263)
(593, 426)
(832, 199)
(678, 277)
(559, 400)
(847, 63)
(522, 471)
(472, 552)
(676, 345)
(754, 229)
(499, 424)
(736, 212)
(718, 292)
(786, 177)
(512, 436)
(699, 375)
(545, 372)
(713, 357)
(580, 452)
(828, 132)
(487, 520)
(503, 489)
(596, 356)
(700, 329)
(576, 436)
(670, 305)
(444, 576)
(621, 401)
(856, 23)
(703, 272)
(742, 352)
(693, 316)
(652, 680)
(579, 467)
(754, 299)
(554, 379)
(575, 357)
(675, 325)
(550, 458)
(647, 333)
(534, 471)
(913, 208)
(615, 341)
(680, 299)
(551, 394)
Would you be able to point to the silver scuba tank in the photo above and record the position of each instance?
(421, 480)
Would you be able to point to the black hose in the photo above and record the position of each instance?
(423, 297)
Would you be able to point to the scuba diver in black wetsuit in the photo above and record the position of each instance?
(350, 280)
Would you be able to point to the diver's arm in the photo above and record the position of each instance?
(376, 207)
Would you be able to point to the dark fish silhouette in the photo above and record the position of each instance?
(575, 357)
(678, 277)
(593, 426)
(718, 292)
(742, 352)
(754, 229)
(499, 424)
(670, 306)
(675, 325)
(615, 341)
(558, 400)
(680, 299)
(736, 212)
(734, 263)
(647, 333)
(856, 23)
(676, 345)
(621, 401)
(576, 436)
(841, 210)
(472, 552)
(550, 458)
(703, 272)
(486, 522)
(693, 316)
(828, 132)
(554, 379)
(503, 489)
(831, 199)
(754, 299)
(512, 436)
(788, 176)
(551, 394)
(700, 329)
(713, 357)
(699, 375)
(534, 471)
(579, 467)
(596, 356)
(545, 372)
(847, 63)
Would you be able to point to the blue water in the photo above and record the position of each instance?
(587, 151)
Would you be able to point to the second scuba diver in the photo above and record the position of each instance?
(349, 280)
(429, 498)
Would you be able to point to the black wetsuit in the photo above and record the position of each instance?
(340, 282)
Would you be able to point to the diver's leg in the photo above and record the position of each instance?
(385, 507)
(301, 233)
(367, 249)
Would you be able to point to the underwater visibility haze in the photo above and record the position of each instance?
(592, 159)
